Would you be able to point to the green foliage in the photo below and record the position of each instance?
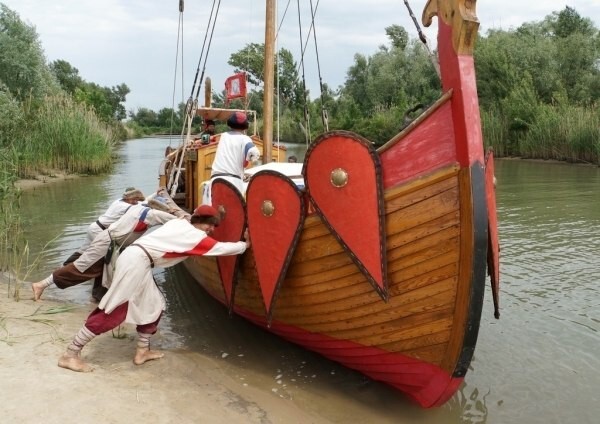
(64, 135)
(22, 63)
(398, 36)
(495, 131)
(380, 89)
(11, 116)
(10, 222)
(564, 132)
(568, 22)
(539, 88)
(105, 101)
(165, 121)
(67, 75)
(250, 59)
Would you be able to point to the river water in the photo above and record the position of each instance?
(540, 363)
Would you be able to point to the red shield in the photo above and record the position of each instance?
(228, 200)
(342, 173)
(276, 213)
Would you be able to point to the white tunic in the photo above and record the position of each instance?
(234, 152)
(123, 231)
(168, 245)
(114, 212)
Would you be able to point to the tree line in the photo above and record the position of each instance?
(538, 86)
(50, 117)
(538, 89)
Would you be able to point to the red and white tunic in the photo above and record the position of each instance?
(168, 245)
(112, 214)
(124, 231)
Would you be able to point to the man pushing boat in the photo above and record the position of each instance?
(134, 296)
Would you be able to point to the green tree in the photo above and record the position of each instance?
(22, 63)
(398, 36)
(250, 59)
(145, 117)
(568, 22)
(11, 117)
(106, 102)
(67, 75)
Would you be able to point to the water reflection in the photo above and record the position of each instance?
(547, 340)
(538, 364)
(470, 407)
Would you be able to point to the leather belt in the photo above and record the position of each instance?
(146, 252)
(100, 225)
(225, 174)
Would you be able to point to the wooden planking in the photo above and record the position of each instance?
(416, 343)
(341, 289)
(433, 354)
(423, 230)
(411, 193)
(325, 293)
(465, 270)
(429, 298)
(413, 326)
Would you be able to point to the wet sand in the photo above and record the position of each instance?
(184, 386)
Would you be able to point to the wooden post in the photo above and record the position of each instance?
(269, 74)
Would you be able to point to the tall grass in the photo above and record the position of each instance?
(565, 133)
(62, 134)
(56, 133)
(561, 132)
(10, 222)
(495, 132)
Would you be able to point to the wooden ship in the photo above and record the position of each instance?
(377, 259)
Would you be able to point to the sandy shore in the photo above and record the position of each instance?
(42, 179)
(183, 387)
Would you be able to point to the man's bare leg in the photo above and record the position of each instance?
(142, 352)
(39, 287)
(72, 361)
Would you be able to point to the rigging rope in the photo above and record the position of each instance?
(324, 116)
(192, 103)
(303, 47)
(179, 33)
(306, 115)
(423, 39)
(212, 31)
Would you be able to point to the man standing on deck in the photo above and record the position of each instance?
(134, 296)
(234, 152)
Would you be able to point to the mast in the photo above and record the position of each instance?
(269, 74)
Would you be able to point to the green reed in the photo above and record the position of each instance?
(565, 133)
(10, 222)
(66, 135)
(495, 133)
(561, 132)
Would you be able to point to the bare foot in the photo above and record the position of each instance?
(38, 289)
(73, 363)
(145, 355)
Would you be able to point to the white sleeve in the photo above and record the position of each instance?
(253, 154)
(227, 248)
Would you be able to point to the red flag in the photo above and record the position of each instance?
(235, 87)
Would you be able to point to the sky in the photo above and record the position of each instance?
(155, 50)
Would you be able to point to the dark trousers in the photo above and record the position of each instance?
(99, 322)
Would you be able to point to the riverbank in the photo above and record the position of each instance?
(51, 177)
(184, 386)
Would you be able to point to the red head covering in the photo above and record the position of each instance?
(238, 121)
(206, 210)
